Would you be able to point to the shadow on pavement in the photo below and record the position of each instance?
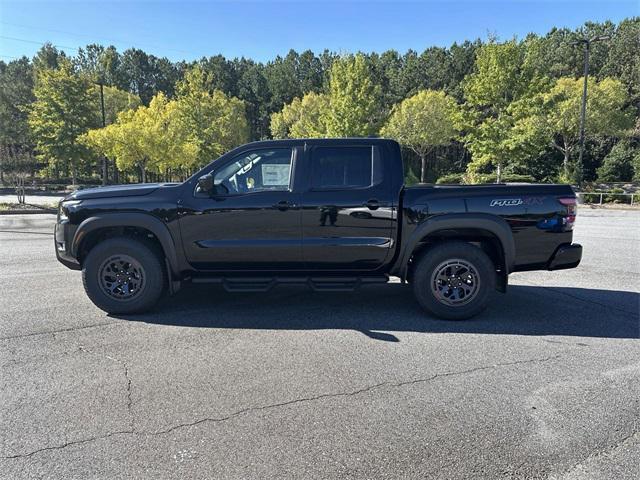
(525, 310)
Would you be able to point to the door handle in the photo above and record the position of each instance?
(283, 205)
(372, 204)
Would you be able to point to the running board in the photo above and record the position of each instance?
(319, 284)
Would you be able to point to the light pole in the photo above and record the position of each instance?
(104, 124)
(583, 112)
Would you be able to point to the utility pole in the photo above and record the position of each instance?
(104, 124)
(583, 112)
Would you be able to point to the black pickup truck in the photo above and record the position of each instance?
(330, 213)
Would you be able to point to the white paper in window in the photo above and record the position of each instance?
(275, 175)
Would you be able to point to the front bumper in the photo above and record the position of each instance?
(62, 235)
(566, 256)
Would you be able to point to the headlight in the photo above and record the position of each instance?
(69, 203)
(64, 204)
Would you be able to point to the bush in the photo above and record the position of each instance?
(451, 178)
(618, 164)
(616, 198)
(410, 178)
(611, 196)
(506, 178)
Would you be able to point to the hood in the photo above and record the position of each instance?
(115, 191)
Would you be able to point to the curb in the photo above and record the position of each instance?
(27, 212)
(611, 207)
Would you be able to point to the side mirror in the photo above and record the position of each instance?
(205, 184)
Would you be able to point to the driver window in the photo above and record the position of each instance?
(256, 171)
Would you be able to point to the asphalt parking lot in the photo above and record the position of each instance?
(295, 384)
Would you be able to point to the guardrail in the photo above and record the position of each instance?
(599, 198)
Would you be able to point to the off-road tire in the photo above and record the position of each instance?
(149, 272)
(479, 277)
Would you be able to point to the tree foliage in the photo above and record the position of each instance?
(421, 122)
(508, 92)
(180, 134)
(498, 96)
(302, 118)
(16, 94)
(353, 99)
(618, 165)
(559, 115)
(63, 110)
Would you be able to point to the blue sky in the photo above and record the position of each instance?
(263, 29)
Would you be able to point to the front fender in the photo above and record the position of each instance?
(140, 220)
(493, 224)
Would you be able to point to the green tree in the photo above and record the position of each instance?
(282, 80)
(215, 123)
(254, 91)
(100, 64)
(16, 94)
(48, 57)
(618, 165)
(115, 101)
(499, 96)
(145, 75)
(146, 139)
(64, 109)
(623, 60)
(559, 115)
(353, 99)
(302, 118)
(423, 122)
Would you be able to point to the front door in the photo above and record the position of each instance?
(252, 221)
(348, 214)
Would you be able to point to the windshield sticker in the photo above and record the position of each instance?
(276, 175)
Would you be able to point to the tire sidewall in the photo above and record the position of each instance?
(438, 254)
(148, 259)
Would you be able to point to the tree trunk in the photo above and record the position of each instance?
(73, 174)
(499, 173)
(423, 168)
(565, 163)
(116, 174)
(105, 170)
(143, 174)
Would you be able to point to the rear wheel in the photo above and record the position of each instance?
(123, 275)
(454, 280)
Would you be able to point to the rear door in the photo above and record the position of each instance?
(347, 207)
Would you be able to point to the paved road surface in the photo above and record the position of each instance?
(294, 384)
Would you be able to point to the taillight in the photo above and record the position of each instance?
(572, 210)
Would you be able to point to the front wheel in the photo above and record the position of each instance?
(123, 275)
(454, 280)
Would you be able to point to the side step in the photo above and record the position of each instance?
(319, 284)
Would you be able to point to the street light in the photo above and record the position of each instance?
(104, 124)
(583, 112)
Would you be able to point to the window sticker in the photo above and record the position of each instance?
(276, 175)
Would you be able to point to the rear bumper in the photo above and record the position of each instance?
(566, 256)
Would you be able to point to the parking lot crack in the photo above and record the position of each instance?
(359, 391)
(62, 330)
(125, 368)
(65, 445)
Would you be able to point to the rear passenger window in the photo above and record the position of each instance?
(345, 167)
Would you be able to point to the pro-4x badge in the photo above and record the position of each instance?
(506, 202)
